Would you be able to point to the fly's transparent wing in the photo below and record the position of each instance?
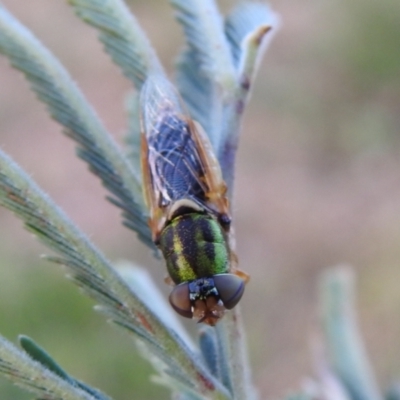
(177, 158)
(174, 161)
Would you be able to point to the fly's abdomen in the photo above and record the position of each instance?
(194, 246)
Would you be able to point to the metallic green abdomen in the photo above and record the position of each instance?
(194, 246)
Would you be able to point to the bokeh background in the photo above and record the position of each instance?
(318, 183)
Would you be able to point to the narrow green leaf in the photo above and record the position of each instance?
(97, 394)
(67, 105)
(40, 355)
(23, 371)
(210, 351)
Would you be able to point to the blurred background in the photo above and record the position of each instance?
(317, 184)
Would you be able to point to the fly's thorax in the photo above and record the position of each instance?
(194, 246)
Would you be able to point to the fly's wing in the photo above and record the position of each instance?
(177, 158)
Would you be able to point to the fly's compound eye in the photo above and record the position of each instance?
(225, 221)
(230, 289)
(180, 300)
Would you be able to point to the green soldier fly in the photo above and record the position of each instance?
(189, 211)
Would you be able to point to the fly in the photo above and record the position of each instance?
(189, 210)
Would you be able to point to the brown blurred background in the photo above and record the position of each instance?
(318, 183)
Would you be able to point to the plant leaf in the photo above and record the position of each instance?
(206, 76)
(132, 137)
(31, 375)
(204, 31)
(122, 36)
(245, 19)
(233, 350)
(40, 355)
(67, 105)
(139, 280)
(249, 28)
(200, 94)
(211, 353)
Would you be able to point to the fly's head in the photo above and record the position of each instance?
(206, 299)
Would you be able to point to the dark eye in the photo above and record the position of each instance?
(224, 220)
(180, 301)
(230, 288)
